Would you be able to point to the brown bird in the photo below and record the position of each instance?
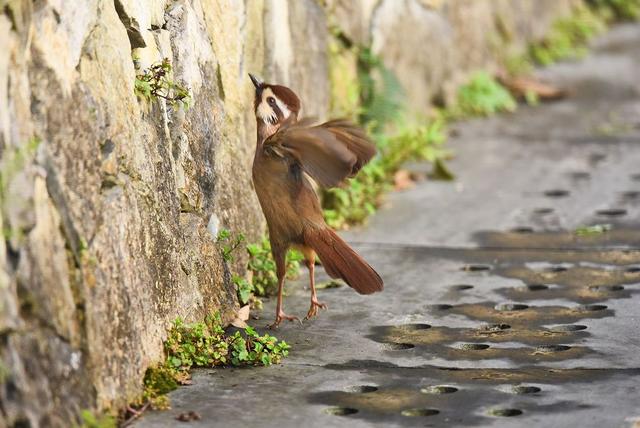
(288, 152)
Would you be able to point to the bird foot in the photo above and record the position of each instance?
(282, 316)
(313, 310)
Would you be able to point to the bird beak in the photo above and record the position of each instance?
(257, 82)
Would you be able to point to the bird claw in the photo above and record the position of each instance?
(282, 316)
(313, 310)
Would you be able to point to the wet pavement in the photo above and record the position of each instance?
(495, 313)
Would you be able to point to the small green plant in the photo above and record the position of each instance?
(483, 96)
(202, 344)
(244, 289)
(229, 243)
(381, 98)
(596, 229)
(155, 82)
(264, 281)
(263, 267)
(567, 38)
(257, 350)
(616, 10)
(206, 345)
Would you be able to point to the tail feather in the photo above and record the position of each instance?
(340, 261)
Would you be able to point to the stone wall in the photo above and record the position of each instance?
(106, 199)
(433, 45)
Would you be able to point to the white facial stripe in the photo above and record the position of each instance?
(266, 113)
(283, 108)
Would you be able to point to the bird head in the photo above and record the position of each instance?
(273, 105)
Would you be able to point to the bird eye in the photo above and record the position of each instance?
(271, 100)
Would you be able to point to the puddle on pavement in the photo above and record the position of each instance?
(554, 240)
(500, 333)
(461, 397)
(522, 330)
(526, 316)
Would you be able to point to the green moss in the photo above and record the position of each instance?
(14, 160)
(381, 95)
(343, 77)
(91, 420)
(160, 380)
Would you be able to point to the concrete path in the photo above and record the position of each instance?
(495, 313)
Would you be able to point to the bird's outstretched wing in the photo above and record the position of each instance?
(330, 153)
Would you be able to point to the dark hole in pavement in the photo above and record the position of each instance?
(634, 269)
(606, 287)
(188, 416)
(415, 327)
(569, 327)
(595, 158)
(505, 412)
(592, 308)
(557, 269)
(612, 212)
(632, 194)
(552, 348)
(580, 175)
(556, 193)
(474, 346)
(340, 411)
(442, 307)
(439, 389)
(524, 389)
(495, 327)
(543, 211)
(419, 412)
(537, 287)
(400, 346)
(362, 389)
(635, 177)
(461, 287)
(476, 268)
(522, 229)
(511, 307)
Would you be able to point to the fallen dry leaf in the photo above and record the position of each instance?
(241, 317)
(402, 180)
(525, 86)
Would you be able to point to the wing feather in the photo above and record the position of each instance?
(330, 152)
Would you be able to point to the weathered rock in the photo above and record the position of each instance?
(110, 203)
(295, 34)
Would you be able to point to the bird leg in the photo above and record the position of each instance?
(315, 304)
(280, 259)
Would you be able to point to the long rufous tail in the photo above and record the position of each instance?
(340, 261)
